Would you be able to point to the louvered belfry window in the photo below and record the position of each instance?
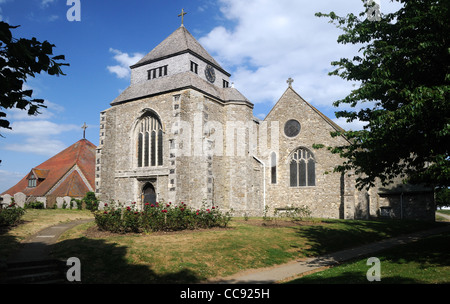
(149, 142)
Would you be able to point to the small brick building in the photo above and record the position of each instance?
(70, 173)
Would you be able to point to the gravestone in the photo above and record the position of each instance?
(67, 200)
(6, 200)
(43, 200)
(20, 199)
(59, 202)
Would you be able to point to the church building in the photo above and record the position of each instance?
(182, 133)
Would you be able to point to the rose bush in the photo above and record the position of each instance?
(159, 217)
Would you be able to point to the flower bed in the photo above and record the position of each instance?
(159, 217)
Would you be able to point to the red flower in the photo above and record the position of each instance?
(197, 213)
(207, 210)
(128, 208)
(152, 205)
(106, 205)
(106, 212)
(167, 205)
(214, 207)
(133, 203)
(146, 204)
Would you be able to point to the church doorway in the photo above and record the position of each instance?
(148, 194)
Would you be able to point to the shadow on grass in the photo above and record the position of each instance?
(353, 277)
(105, 263)
(426, 261)
(337, 235)
(8, 243)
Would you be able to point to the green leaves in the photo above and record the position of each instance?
(20, 59)
(403, 69)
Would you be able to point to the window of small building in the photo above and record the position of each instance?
(32, 181)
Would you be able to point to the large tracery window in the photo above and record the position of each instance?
(302, 169)
(149, 142)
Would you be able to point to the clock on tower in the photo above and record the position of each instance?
(210, 73)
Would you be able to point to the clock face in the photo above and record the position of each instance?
(210, 73)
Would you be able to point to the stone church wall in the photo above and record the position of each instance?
(332, 196)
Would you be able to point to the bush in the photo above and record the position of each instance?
(159, 217)
(90, 201)
(11, 215)
(294, 213)
(35, 205)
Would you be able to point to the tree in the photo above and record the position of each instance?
(20, 59)
(403, 73)
(442, 197)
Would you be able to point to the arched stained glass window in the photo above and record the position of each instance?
(149, 141)
(302, 168)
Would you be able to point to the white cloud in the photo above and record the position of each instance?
(45, 113)
(45, 3)
(274, 40)
(36, 134)
(355, 125)
(38, 145)
(40, 128)
(9, 179)
(122, 70)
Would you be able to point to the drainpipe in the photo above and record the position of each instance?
(264, 180)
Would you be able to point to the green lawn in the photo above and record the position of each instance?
(424, 262)
(196, 256)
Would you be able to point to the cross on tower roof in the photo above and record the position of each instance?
(182, 16)
(290, 81)
(84, 127)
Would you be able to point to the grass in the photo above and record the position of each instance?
(196, 256)
(441, 218)
(33, 221)
(424, 262)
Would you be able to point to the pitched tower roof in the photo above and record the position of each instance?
(179, 42)
(69, 173)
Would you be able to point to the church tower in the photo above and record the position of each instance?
(164, 138)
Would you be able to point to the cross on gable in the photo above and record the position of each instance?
(290, 81)
(182, 16)
(84, 127)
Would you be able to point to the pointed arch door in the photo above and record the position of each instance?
(148, 194)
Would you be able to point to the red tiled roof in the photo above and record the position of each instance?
(54, 176)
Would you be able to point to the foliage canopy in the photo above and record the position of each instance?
(403, 73)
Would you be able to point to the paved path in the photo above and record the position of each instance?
(296, 268)
(36, 247)
(443, 215)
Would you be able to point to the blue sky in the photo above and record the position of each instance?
(260, 42)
